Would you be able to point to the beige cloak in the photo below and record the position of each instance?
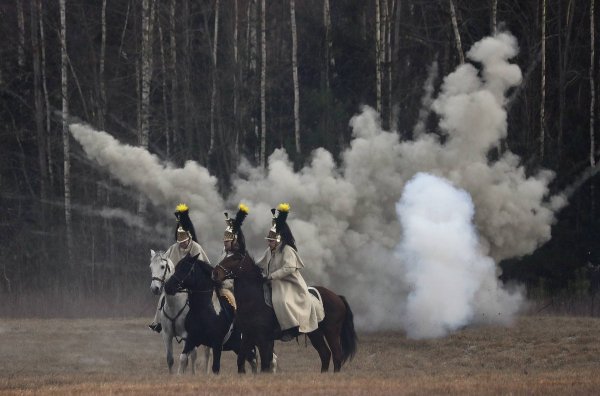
(291, 299)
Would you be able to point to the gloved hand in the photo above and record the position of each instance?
(266, 279)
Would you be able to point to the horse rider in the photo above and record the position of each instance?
(233, 242)
(281, 267)
(185, 243)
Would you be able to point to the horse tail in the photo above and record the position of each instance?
(348, 337)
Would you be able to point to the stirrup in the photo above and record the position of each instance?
(156, 327)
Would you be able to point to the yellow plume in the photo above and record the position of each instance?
(244, 208)
(181, 207)
(284, 207)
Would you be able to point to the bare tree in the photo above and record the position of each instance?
(263, 84)
(45, 87)
(102, 110)
(163, 70)
(37, 89)
(378, 48)
(295, 77)
(146, 71)
(592, 84)
(388, 56)
(564, 39)
(21, 26)
(494, 21)
(213, 96)
(173, 70)
(329, 60)
(65, 130)
(592, 103)
(236, 82)
(543, 85)
(457, 40)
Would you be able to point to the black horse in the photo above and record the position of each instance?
(335, 335)
(203, 324)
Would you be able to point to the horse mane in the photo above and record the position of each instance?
(205, 267)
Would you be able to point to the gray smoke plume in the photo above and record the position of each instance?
(344, 215)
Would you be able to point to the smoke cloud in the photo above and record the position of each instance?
(353, 220)
(443, 265)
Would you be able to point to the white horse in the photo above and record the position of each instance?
(173, 311)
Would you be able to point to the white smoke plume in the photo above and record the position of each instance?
(343, 215)
(444, 267)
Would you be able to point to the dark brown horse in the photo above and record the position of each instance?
(335, 337)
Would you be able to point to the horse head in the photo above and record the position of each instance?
(161, 268)
(233, 266)
(191, 274)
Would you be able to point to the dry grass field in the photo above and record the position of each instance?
(538, 355)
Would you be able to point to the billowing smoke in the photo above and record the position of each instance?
(443, 265)
(344, 215)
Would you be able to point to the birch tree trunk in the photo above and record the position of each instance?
(146, 71)
(252, 49)
(388, 58)
(21, 27)
(173, 70)
(329, 60)
(213, 96)
(564, 38)
(494, 21)
(65, 130)
(295, 77)
(457, 40)
(102, 110)
(263, 85)
(37, 89)
(46, 99)
(236, 81)
(163, 69)
(378, 55)
(543, 85)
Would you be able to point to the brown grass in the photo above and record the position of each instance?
(539, 355)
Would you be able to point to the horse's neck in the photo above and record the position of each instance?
(249, 288)
(175, 302)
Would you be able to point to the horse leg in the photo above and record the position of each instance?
(207, 360)
(318, 342)
(332, 334)
(168, 340)
(183, 362)
(265, 348)
(193, 363)
(242, 354)
(252, 358)
(183, 358)
(216, 366)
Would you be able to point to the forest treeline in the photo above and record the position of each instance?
(219, 80)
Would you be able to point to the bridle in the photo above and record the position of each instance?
(231, 273)
(190, 272)
(164, 275)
